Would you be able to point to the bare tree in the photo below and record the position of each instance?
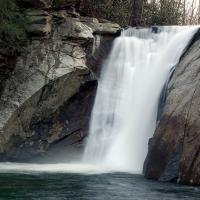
(136, 13)
(199, 13)
(184, 11)
(144, 12)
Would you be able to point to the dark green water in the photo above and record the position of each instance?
(90, 187)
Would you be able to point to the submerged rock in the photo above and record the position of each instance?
(174, 150)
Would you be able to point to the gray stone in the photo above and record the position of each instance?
(46, 101)
(74, 29)
(179, 126)
(40, 23)
(106, 28)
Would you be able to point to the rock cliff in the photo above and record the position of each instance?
(174, 150)
(47, 92)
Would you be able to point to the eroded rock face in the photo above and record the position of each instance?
(40, 22)
(45, 104)
(174, 150)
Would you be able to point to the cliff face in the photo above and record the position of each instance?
(47, 94)
(174, 150)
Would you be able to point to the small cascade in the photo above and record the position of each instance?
(126, 108)
(96, 43)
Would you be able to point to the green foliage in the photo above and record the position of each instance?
(12, 27)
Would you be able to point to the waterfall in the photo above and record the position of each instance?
(125, 111)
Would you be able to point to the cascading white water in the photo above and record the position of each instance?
(125, 111)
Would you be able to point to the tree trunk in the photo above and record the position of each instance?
(199, 13)
(136, 14)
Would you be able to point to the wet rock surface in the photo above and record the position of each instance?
(174, 150)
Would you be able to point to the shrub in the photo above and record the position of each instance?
(12, 28)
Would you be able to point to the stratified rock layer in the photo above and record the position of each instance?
(174, 150)
(45, 103)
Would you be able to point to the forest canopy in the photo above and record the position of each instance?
(144, 12)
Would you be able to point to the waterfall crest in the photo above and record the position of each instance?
(125, 110)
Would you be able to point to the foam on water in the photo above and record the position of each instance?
(79, 168)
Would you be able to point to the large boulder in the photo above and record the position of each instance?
(47, 75)
(174, 150)
(46, 101)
